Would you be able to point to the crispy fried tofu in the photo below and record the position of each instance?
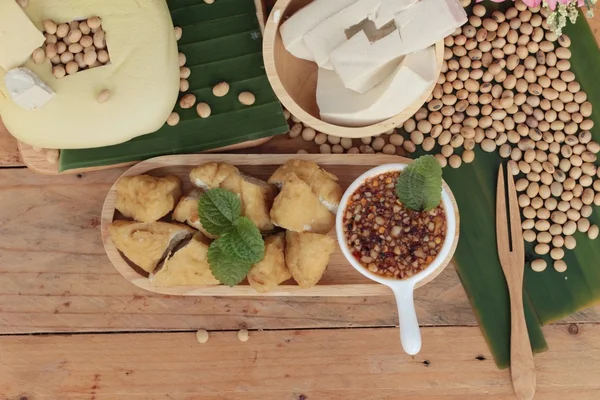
(297, 208)
(187, 212)
(272, 269)
(187, 267)
(324, 184)
(146, 198)
(256, 196)
(211, 175)
(147, 244)
(307, 255)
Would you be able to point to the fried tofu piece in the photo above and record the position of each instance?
(272, 269)
(256, 196)
(147, 244)
(187, 267)
(147, 198)
(187, 212)
(307, 255)
(324, 184)
(297, 208)
(211, 175)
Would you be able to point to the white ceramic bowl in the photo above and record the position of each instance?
(410, 335)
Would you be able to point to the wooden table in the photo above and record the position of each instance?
(72, 328)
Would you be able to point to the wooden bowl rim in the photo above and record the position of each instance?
(269, 37)
(191, 160)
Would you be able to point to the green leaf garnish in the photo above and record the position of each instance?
(243, 242)
(240, 244)
(218, 209)
(227, 271)
(419, 186)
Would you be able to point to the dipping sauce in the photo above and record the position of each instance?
(387, 238)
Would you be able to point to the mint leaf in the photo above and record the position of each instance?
(218, 209)
(228, 272)
(243, 242)
(419, 186)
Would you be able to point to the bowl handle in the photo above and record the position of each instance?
(410, 335)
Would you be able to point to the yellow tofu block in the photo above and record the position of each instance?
(18, 35)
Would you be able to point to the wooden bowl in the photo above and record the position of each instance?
(295, 80)
(340, 279)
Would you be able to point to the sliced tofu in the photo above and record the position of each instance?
(362, 65)
(146, 198)
(187, 267)
(256, 196)
(272, 270)
(307, 256)
(441, 17)
(211, 175)
(324, 184)
(296, 208)
(342, 106)
(187, 212)
(364, 60)
(18, 35)
(293, 30)
(389, 8)
(147, 244)
(332, 32)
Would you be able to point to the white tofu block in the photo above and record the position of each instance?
(331, 32)
(18, 35)
(440, 17)
(361, 63)
(26, 89)
(342, 106)
(293, 30)
(389, 8)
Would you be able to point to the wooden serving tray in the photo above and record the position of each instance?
(340, 278)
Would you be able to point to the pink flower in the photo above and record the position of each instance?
(537, 3)
(532, 3)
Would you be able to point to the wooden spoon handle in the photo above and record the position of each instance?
(522, 367)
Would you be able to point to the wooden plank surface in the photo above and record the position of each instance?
(289, 365)
(55, 276)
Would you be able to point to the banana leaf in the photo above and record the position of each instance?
(548, 295)
(222, 42)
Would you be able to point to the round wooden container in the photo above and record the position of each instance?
(295, 80)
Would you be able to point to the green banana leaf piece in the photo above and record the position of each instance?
(222, 42)
(549, 295)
